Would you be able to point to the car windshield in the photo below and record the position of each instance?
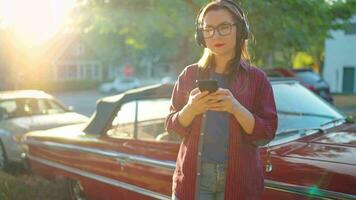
(299, 108)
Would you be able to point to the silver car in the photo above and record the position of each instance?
(27, 110)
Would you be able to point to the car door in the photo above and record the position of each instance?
(148, 152)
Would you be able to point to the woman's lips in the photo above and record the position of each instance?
(219, 45)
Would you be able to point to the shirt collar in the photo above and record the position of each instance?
(244, 65)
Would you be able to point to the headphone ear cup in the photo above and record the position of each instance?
(199, 38)
(244, 33)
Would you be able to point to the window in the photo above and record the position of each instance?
(351, 29)
(123, 124)
(150, 121)
(48, 106)
(8, 108)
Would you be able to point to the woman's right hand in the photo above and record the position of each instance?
(198, 101)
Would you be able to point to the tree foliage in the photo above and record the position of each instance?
(162, 31)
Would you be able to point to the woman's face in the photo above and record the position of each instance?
(223, 40)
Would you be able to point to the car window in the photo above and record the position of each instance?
(32, 106)
(150, 121)
(299, 108)
(8, 108)
(18, 107)
(51, 106)
(123, 124)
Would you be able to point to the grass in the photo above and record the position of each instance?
(19, 186)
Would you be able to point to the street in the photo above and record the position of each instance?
(84, 102)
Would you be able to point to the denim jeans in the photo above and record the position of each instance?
(212, 182)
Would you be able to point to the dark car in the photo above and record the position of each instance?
(125, 152)
(307, 77)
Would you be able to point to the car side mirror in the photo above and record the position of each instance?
(71, 108)
(350, 119)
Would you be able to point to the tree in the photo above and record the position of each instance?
(130, 30)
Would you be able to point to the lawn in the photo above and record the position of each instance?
(20, 186)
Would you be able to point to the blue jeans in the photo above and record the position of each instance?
(212, 182)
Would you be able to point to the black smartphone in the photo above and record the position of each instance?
(207, 85)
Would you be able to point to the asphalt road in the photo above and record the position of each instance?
(84, 102)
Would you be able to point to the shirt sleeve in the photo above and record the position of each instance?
(265, 114)
(178, 101)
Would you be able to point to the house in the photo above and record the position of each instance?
(70, 58)
(340, 60)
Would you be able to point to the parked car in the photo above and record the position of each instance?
(307, 77)
(28, 110)
(169, 79)
(125, 152)
(119, 85)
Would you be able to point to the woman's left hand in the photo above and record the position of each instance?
(225, 101)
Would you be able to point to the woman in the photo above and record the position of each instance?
(221, 131)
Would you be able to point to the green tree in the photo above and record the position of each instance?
(138, 31)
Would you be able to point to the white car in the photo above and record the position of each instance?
(22, 111)
(120, 85)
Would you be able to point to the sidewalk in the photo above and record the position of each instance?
(346, 103)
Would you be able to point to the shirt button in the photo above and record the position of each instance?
(199, 153)
(201, 133)
(198, 174)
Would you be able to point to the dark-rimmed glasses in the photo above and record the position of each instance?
(223, 29)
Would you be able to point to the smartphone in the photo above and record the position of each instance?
(207, 85)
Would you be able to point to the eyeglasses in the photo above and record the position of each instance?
(223, 30)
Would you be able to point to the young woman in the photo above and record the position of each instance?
(221, 131)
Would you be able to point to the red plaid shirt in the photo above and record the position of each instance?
(244, 172)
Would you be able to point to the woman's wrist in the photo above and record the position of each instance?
(189, 110)
(186, 115)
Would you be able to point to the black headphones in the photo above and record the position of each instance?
(245, 27)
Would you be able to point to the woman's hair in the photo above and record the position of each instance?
(241, 51)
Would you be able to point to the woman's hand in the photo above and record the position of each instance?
(199, 102)
(224, 101)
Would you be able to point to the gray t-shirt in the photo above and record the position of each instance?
(216, 129)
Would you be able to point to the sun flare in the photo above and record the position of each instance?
(33, 22)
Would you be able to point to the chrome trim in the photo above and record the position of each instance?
(102, 179)
(165, 164)
(307, 191)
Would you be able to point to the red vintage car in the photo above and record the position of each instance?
(124, 152)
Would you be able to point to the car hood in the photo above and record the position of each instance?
(69, 131)
(41, 122)
(338, 145)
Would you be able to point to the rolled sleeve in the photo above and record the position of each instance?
(265, 115)
(174, 126)
(178, 101)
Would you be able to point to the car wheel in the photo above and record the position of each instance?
(3, 159)
(75, 190)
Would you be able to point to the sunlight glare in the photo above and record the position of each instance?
(36, 21)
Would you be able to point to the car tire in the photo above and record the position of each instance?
(75, 190)
(3, 158)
